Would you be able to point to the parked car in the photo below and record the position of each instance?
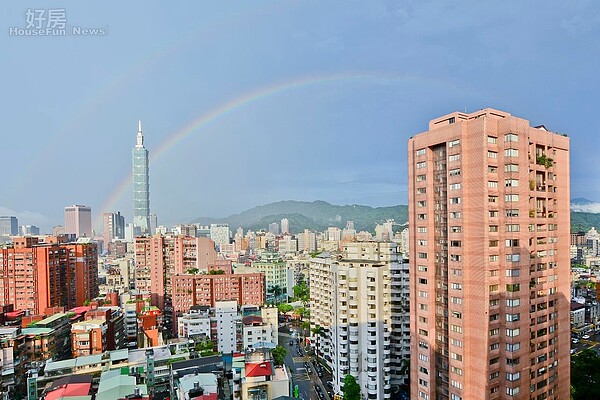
(575, 340)
(586, 337)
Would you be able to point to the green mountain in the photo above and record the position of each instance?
(316, 215)
(319, 215)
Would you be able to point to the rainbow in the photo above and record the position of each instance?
(252, 97)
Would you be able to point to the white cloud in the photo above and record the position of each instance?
(28, 218)
(591, 207)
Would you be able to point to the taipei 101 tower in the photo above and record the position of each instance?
(141, 187)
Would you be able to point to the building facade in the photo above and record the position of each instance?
(78, 221)
(350, 300)
(9, 226)
(113, 227)
(141, 185)
(36, 276)
(489, 251)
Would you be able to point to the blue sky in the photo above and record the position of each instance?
(368, 76)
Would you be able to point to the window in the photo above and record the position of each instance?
(494, 332)
(513, 346)
(457, 342)
(454, 157)
(422, 229)
(511, 182)
(421, 178)
(423, 281)
(512, 391)
(455, 214)
(422, 255)
(512, 242)
(513, 376)
(492, 139)
(455, 142)
(456, 300)
(422, 242)
(455, 257)
(511, 198)
(423, 382)
(421, 164)
(492, 169)
(421, 190)
(493, 213)
(513, 317)
(422, 216)
(513, 228)
(493, 243)
(512, 212)
(511, 137)
(422, 268)
(494, 288)
(494, 346)
(421, 152)
(511, 153)
(456, 314)
(511, 168)
(456, 328)
(456, 286)
(492, 184)
(494, 302)
(513, 287)
(454, 186)
(422, 203)
(513, 272)
(456, 356)
(454, 200)
(455, 397)
(457, 371)
(494, 375)
(513, 302)
(454, 172)
(455, 243)
(423, 293)
(492, 154)
(493, 257)
(513, 257)
(456, 384)
(493, 228)
(455, 229)
(492, 199)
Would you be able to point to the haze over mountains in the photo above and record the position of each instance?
(319, 215)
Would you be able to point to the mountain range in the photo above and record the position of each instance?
(319, 215)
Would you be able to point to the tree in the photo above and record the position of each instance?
(276, 290)
(318, 331)
(301, 292)
(279, 354)
(585, 375)
(351, 389)
(284, 308)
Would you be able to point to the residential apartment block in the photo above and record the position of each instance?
(489, 253)
(38, 275)
(351, 299)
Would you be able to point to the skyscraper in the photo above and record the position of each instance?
(114, 227)
(489, 251)
(78, 221)
(141, 187)
(9, 226)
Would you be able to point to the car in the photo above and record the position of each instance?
(575, 341)
(586, 337)
(308, 370)
(573, 351)
(291, 343)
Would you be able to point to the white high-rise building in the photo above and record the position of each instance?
(78, 221)
(285, 226)
(226, 315)
(220, 233)
(351, 299)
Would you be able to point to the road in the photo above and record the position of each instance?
(306, 382)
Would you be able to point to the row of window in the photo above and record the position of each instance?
(509, 137)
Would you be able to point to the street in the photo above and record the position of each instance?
(301, 366)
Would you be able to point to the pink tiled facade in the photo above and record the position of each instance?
(489, 251)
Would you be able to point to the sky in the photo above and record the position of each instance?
(244, 103)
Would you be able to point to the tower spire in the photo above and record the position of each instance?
(140, 137)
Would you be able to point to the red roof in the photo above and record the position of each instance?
(259, 369)
(72, 389)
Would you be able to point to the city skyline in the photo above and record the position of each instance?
(284, 116)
